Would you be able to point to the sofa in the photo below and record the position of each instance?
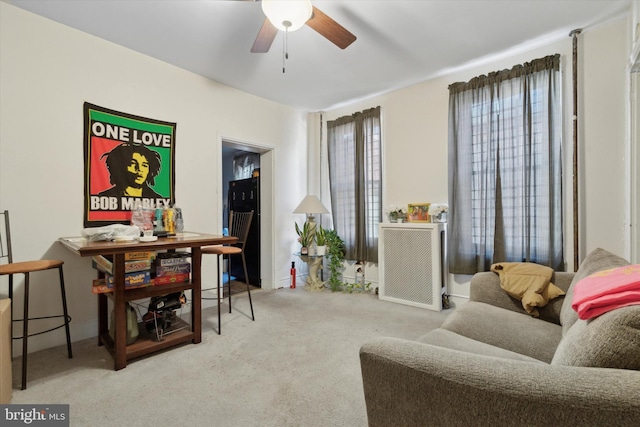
(491, 363)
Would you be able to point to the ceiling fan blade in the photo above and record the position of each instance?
(265, 38)
(330, 29)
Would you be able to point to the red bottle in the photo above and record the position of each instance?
(292, 279)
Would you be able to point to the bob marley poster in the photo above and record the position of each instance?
(128, 160)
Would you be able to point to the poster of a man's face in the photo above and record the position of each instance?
(129, 161)
(133, 170)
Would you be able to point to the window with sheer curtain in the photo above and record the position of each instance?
(505, 168)
(355, 179)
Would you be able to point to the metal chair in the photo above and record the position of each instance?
(239, 225)
(26, 267)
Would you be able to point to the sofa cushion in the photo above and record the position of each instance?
(447, 339)
(517, 332)
(598, 260)
(611, 340)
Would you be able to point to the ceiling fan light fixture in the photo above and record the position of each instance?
(287, 15)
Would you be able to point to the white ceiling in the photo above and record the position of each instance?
(399, 43)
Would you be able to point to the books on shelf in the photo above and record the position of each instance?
(176, 260)
(172, 267)
(131, 281)
(168, 270)
(144, 269)
(131, 256)
(171, 278)
(101, 263)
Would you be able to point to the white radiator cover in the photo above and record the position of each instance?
(413, 265)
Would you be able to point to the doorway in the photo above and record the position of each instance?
(245, 165)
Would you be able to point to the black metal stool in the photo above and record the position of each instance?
(27, 267)
(239, 224)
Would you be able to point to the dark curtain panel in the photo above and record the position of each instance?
(505, 168)
(355, 175)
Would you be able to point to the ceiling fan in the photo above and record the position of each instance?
(289, 15)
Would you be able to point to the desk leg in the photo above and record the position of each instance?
(120, 327)
(196, 294)
(103, 317)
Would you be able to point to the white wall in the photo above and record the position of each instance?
(47, 72)
(415, 132)
(604, 159)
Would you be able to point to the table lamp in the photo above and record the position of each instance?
(311, 205)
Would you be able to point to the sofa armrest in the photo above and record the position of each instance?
(485, 287)
(408, 383)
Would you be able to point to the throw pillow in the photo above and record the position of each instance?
(528, 282)
(598, 260)
(611, 340)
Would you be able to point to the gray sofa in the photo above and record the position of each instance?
(490, 363)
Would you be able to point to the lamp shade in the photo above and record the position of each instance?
(311, 205)
(287, 15)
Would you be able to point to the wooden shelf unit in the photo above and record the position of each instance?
(120, 295)
(152, 291)
(146, 342)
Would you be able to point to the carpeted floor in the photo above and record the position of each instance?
(296, 365)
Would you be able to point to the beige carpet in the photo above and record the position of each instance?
(296, 365)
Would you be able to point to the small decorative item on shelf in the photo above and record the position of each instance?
(321, 241)
(418, 212)
(396, 214)
(304, 237)
(438, 212)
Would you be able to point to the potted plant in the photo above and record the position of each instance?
(396, 214)
(335, 255)
(321, 241)
(304, 237)
(438, 212)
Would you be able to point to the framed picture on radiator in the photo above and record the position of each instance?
(418, 212)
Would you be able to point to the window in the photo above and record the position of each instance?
(505, 168)
(355, 176)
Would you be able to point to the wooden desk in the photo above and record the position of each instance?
(120, 296)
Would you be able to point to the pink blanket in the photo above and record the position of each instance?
(607, 290)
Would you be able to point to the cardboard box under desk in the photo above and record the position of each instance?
(6, 381)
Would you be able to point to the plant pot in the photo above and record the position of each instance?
(442, 217)
(321, 250)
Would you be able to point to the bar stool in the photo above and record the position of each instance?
(239, 224)
(27, 267)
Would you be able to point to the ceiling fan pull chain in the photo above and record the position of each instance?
(285, 48)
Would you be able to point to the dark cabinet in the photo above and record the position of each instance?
(244, 196)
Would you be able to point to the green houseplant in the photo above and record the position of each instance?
(321, 240)
(395, 213)
(304, 237)
(335, 256)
